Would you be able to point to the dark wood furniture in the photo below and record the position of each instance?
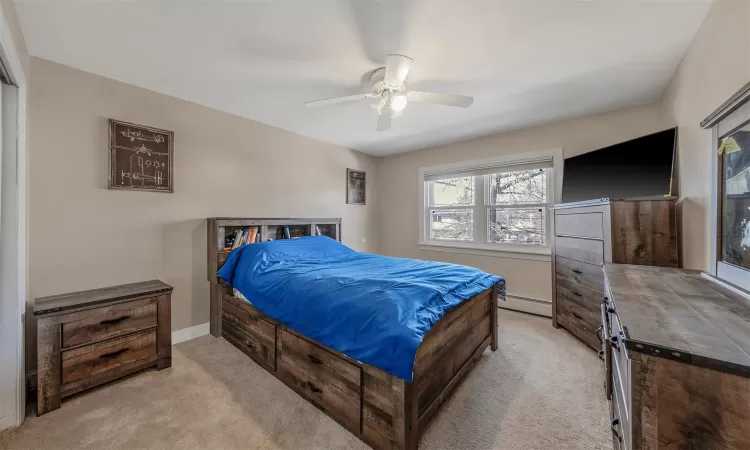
(588, 234)
(384, 411)
(91, 337)
(680, 350)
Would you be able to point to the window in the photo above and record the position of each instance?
(498, 204)
(730, 218)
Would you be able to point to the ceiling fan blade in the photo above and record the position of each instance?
(397, 69)
(384, 121)
(462, 101)
(332, 101)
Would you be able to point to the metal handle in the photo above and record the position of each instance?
(314, 359)
(599, 333)
(313, 388)
(577, 294)
(250, 344)
(601, 355)
(616, 422)
(613, 343)
(577, 316)
(114, 321)
(577, 271)
(115, 354)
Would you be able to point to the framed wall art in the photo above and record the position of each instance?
(355, 187)
(140, 157)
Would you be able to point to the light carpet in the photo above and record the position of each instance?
(542, 389)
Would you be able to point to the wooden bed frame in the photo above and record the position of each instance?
(383, 410)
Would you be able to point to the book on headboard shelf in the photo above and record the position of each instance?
(240, 237)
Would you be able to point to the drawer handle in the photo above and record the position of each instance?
(314, 359)
(616, 422)
(577, 316)
(601, 355)
(599, 334)
(613, 343)
(577, 294)
(313, 388)
(114, 354)
(250, 344)
(114, 321)
(577, 271)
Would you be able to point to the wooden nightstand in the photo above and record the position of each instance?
(91, 337)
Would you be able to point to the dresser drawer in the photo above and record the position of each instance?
(250, 333)
(573, 318)
(323, 364)
(620, 361)
(584, 250)
(122, 319)
(579, 294)
(582, 273)
(582, 225)
(341, 404)
(109, 355)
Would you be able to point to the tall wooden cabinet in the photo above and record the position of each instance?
(588, 234)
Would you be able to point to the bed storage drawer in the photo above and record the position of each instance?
(120, 320)
(325, 365)
(107, 356)
(328, 381)
(250, 333)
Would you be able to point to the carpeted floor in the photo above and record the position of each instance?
(542, 389)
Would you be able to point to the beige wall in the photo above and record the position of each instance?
(85, 236)
(398, 185)
(715, 67)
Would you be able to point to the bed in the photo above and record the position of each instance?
(368, 391)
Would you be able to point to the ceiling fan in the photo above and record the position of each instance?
(390, 93)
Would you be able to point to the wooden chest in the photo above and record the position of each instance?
(680, 351)
(91, 337)
(586, 235)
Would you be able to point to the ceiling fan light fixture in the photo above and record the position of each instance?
(398, 102)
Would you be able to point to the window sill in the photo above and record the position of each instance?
(533, 254)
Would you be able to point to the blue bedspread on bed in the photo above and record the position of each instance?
(375, 309)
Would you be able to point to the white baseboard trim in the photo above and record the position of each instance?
(527, 305)
(189, 333)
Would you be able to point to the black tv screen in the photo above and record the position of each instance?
(641, 167)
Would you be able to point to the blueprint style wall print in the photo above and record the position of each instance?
(140, 158)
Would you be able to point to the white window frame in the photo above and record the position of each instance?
(728, 118)
(480, 246)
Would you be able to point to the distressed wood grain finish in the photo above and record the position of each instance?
(48, 365)
(343, 405)
(321, 363)
(104, 356)
(384, 411)
(589, 251)
(587, 225)
(117, 322)
(93, 341)
(582, 273)
(680, 370)
(644, 233)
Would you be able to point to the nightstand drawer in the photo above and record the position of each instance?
(122, 319)
(90, 360)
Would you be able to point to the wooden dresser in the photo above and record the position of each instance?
(588, 234)
(680, 350)
(91, 337)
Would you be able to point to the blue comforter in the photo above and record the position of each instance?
(375, 309)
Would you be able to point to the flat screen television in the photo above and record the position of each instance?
(641, 167)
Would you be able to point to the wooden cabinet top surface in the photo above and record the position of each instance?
(678, 314)
(58, 304)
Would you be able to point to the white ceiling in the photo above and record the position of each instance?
(526, 62)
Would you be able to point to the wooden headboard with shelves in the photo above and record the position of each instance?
(219, 228)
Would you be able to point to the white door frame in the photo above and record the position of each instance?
(15, 334)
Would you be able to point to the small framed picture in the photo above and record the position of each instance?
(355, 187)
